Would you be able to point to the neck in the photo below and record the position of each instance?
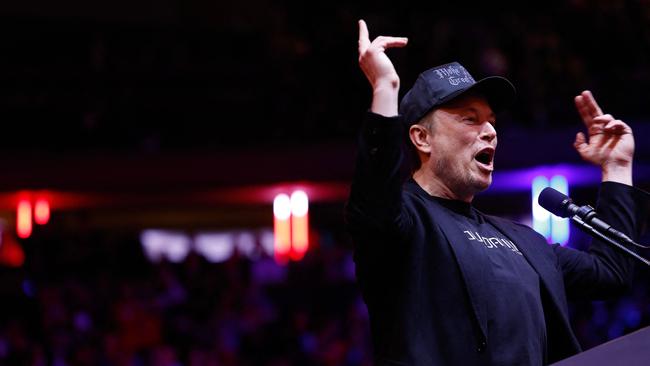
(437, 187)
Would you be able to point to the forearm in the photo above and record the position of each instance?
(605, 270)
(380, 171)
(622, 207)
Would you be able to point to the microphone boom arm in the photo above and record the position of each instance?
(590, 230)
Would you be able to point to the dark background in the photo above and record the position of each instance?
(150, 114)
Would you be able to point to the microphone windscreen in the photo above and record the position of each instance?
(554, 201)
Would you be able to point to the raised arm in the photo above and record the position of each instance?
(605, 271)
(380, 70)
(374, 204)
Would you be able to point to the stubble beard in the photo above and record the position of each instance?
(460, 181)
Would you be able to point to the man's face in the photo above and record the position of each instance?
(463, 142)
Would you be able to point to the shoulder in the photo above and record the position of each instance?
(416, 198)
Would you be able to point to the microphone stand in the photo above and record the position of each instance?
(590, 230)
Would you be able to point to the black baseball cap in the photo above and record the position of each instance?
(443, 83)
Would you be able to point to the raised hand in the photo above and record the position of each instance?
(379, 69)
(610, 143)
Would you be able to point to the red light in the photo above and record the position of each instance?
(299, 237)
(11, 254)
(291, 226)
(24, 219)
(282, 227)
(42, 212)
(299, 225)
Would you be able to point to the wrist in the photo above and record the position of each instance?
(385, 97)
(617, 172)
(389, 82)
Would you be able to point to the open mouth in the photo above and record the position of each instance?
(485, 156)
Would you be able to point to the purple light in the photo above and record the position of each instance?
(520, 180)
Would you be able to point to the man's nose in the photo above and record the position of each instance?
(488, 133)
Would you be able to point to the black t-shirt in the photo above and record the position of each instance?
(516, 327)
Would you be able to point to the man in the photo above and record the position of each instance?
(444, 283)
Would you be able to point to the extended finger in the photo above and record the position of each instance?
(364, 40)
(582, 109)
(591, 105)
(385, 42)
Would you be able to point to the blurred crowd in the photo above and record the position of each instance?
(96, 300)
(108, 305)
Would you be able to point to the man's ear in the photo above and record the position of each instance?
(419, 137)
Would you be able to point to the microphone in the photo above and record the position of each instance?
(561, 205)
(585, 217)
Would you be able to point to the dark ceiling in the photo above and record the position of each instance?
(219, 91)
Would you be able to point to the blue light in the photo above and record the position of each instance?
(560, 226)
(541, 217)
(553, 228)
